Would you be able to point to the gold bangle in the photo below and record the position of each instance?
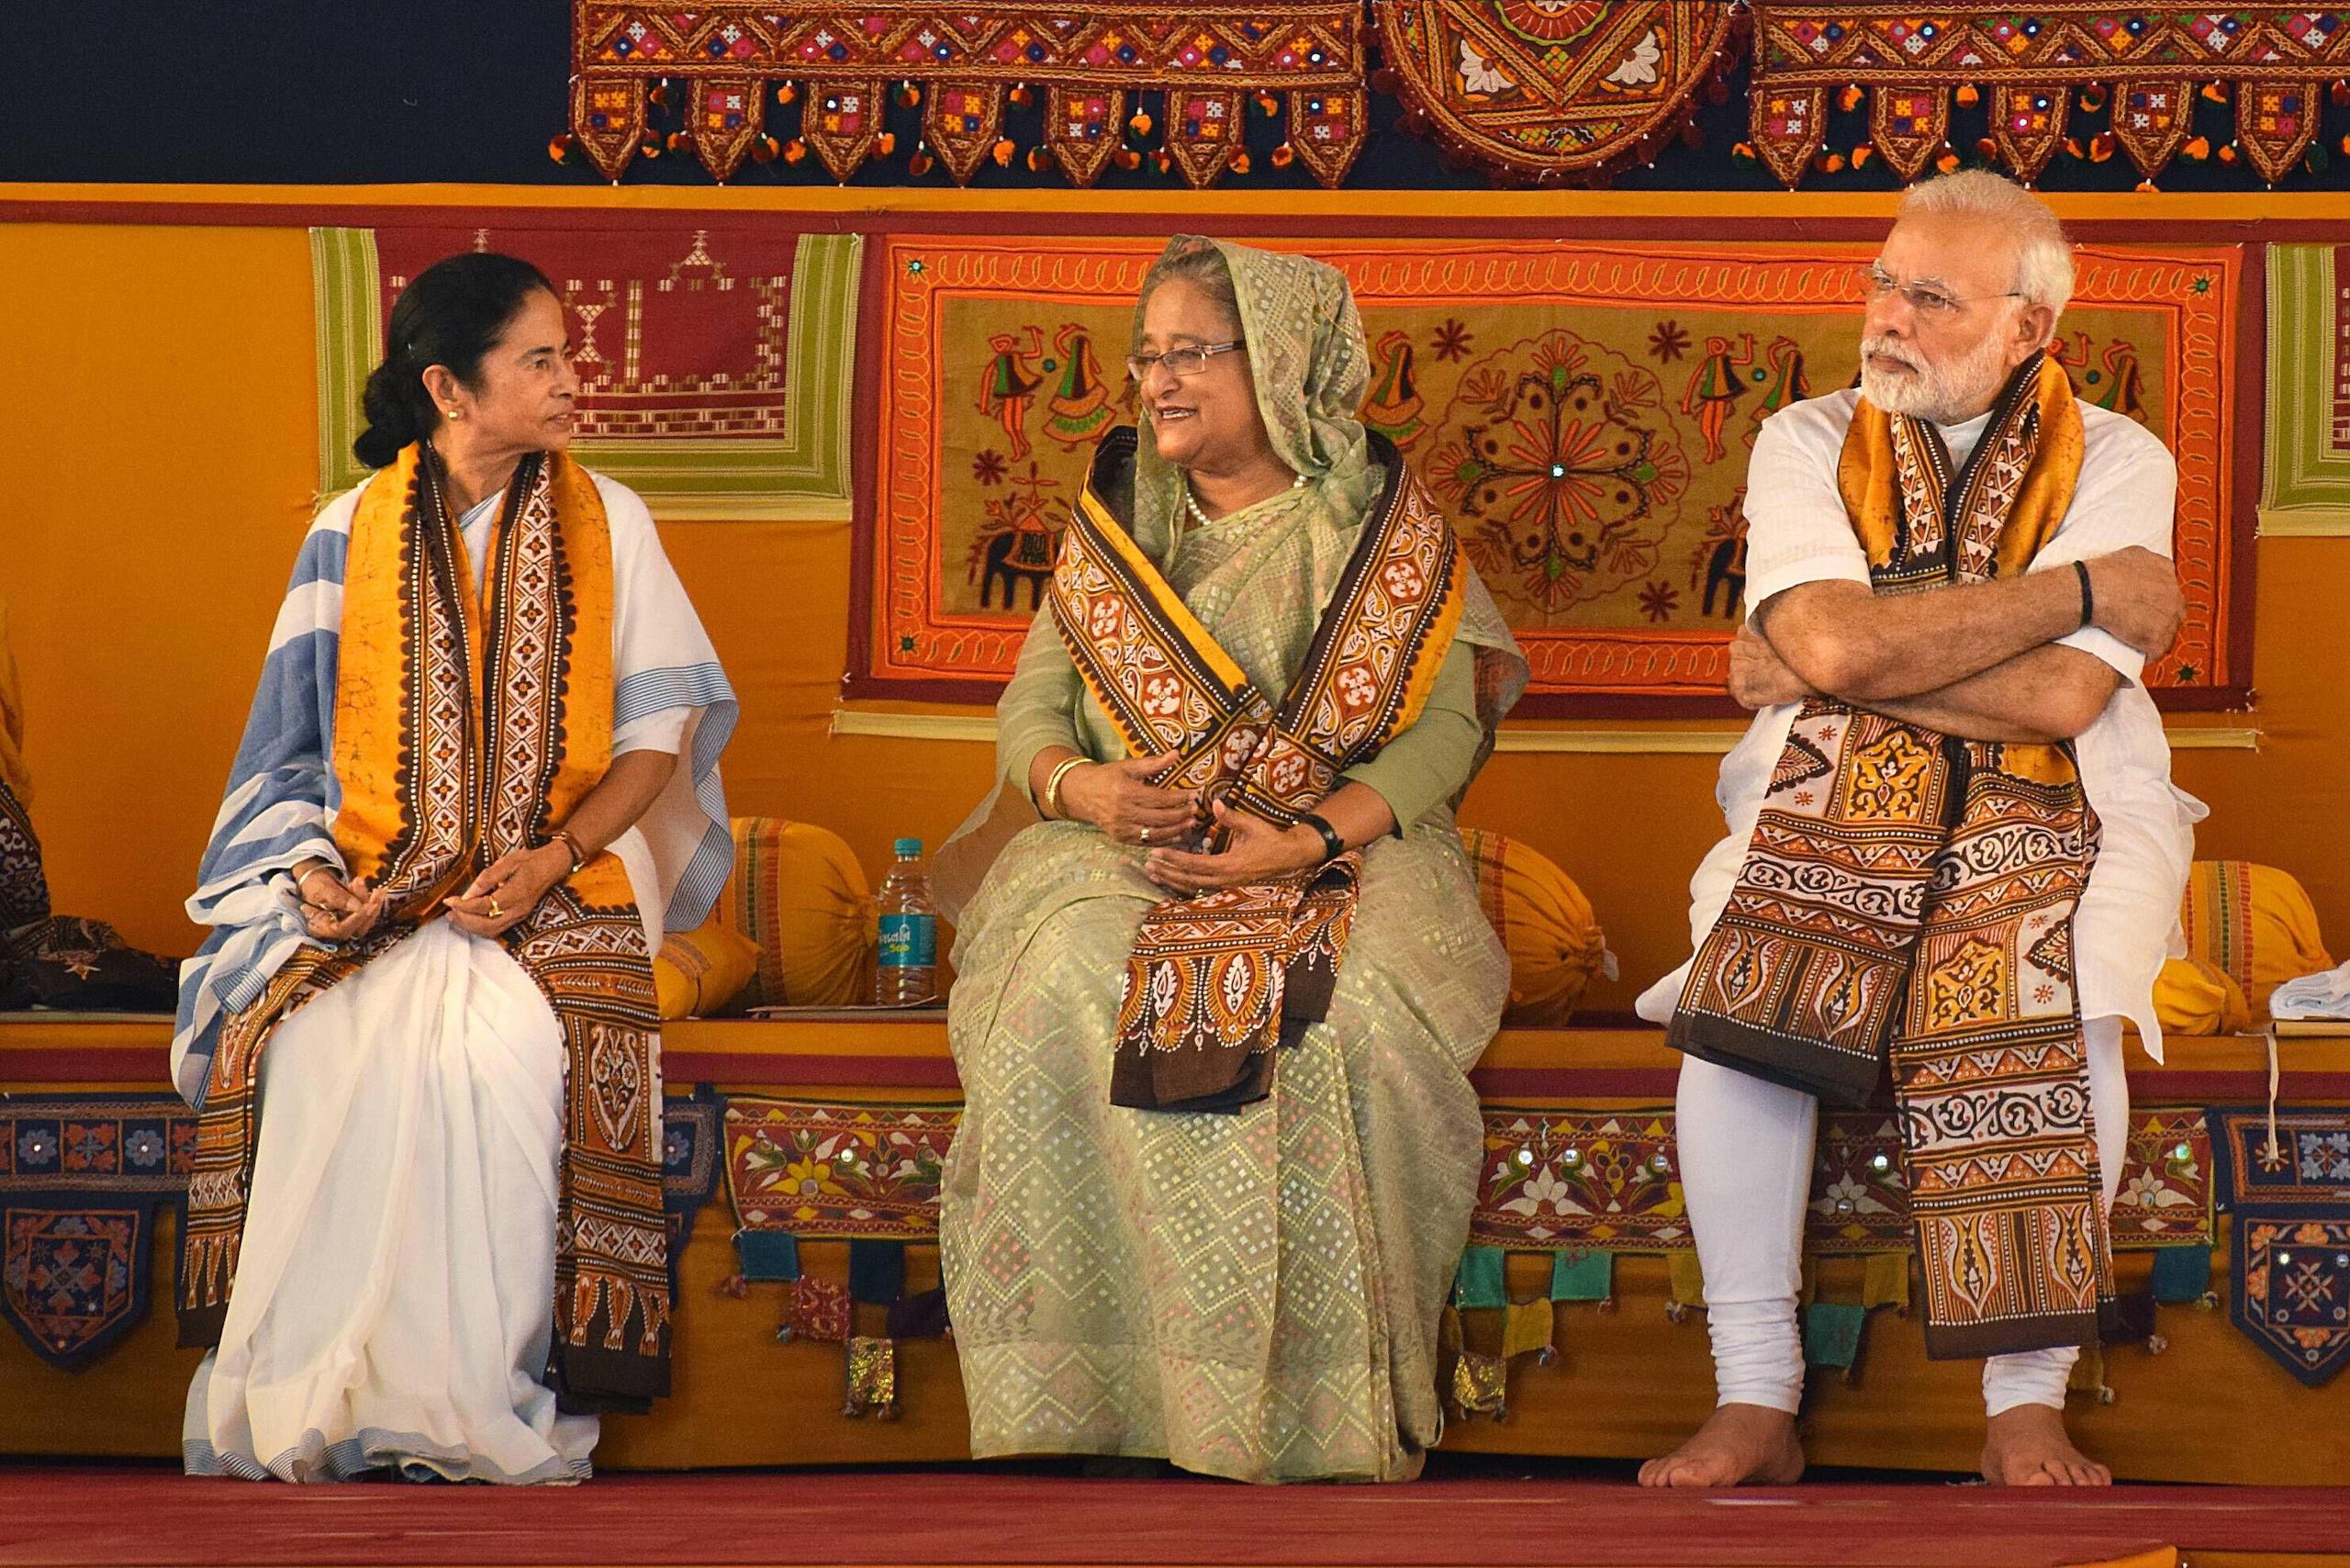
(1053, 784)
(578, 856)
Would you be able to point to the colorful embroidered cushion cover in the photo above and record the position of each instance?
(1909, 897)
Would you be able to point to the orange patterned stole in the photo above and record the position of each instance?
(1213, 984)
(469, 722)
(1908, 898)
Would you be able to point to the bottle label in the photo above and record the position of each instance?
(909, 941)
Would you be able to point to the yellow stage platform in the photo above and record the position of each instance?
(1629, 1380)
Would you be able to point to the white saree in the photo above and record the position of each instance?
(394, 1298)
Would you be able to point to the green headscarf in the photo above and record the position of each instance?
(1311, 367)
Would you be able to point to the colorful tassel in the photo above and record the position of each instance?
(909, 95)
(1884, 1281)
(787, 95)
(1968, 95)
(1481, 1385)
(1685, 1280)
(872, 1379)
(559, 148)
(1527, 1326)
(1141, 123)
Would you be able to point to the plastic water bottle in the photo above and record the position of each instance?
(907, 973)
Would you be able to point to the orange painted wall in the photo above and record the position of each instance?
(156, 476)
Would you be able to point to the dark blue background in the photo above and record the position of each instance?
(362, 91)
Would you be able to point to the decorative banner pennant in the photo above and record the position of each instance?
(1537, 90)
(841, 58)
(1580, 408)
(2279, 57)
(82, 1177)
(2285, 1180)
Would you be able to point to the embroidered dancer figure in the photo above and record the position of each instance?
(1010, 389)
(1715, 388)
(1954, 850)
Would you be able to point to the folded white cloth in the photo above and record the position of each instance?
(2325, 995)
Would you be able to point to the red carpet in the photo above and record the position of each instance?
(144, 1516)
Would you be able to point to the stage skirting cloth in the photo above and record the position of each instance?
(802, 1177)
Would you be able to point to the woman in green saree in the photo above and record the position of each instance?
(1219, 992)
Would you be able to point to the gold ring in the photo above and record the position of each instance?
(496, 912)
(1145, 835)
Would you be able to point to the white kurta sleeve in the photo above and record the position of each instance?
(2127, 495)
(1797, 530)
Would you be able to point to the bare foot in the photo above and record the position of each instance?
(2027, 1446)
(1738, 1444)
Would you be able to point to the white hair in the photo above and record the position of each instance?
(2044, 253)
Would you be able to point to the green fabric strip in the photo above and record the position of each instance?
(1586, 1276)
(1831, 1334)
(2182, 1274)
(1480, 1281)
(767, 1254)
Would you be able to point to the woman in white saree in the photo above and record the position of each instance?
(479, 779)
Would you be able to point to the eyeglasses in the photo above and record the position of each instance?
(1924, 299)
(1190, 360)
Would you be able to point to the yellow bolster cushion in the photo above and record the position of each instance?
(798, 895)
(698, 973)
(1556, 947)
(2256, 924)
(2195, 996)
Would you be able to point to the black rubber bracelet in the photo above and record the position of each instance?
(2088, 601)
(1332, 845)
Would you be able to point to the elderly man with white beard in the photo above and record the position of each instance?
(1954, 855)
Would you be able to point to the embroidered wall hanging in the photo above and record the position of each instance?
(82, 1177)
(1205, 60)
(691, 1134)
(714, 361)
(1583, 410)
(2146, 63)
(2289, 1203)
(1538, 90)
(1571, 1179)
(857, 1172)
(2305, 482)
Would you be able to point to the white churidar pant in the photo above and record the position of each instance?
(1746, 1157)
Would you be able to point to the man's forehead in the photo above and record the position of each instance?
(1951, 248)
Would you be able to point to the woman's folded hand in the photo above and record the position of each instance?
(1119, 798)
(1253, 851)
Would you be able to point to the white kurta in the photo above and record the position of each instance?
(1798, 533)
(394, 1297)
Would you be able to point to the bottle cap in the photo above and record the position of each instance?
(906, 846)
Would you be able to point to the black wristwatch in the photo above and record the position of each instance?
(1332, 845)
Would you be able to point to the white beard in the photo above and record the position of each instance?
(1942, 395)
